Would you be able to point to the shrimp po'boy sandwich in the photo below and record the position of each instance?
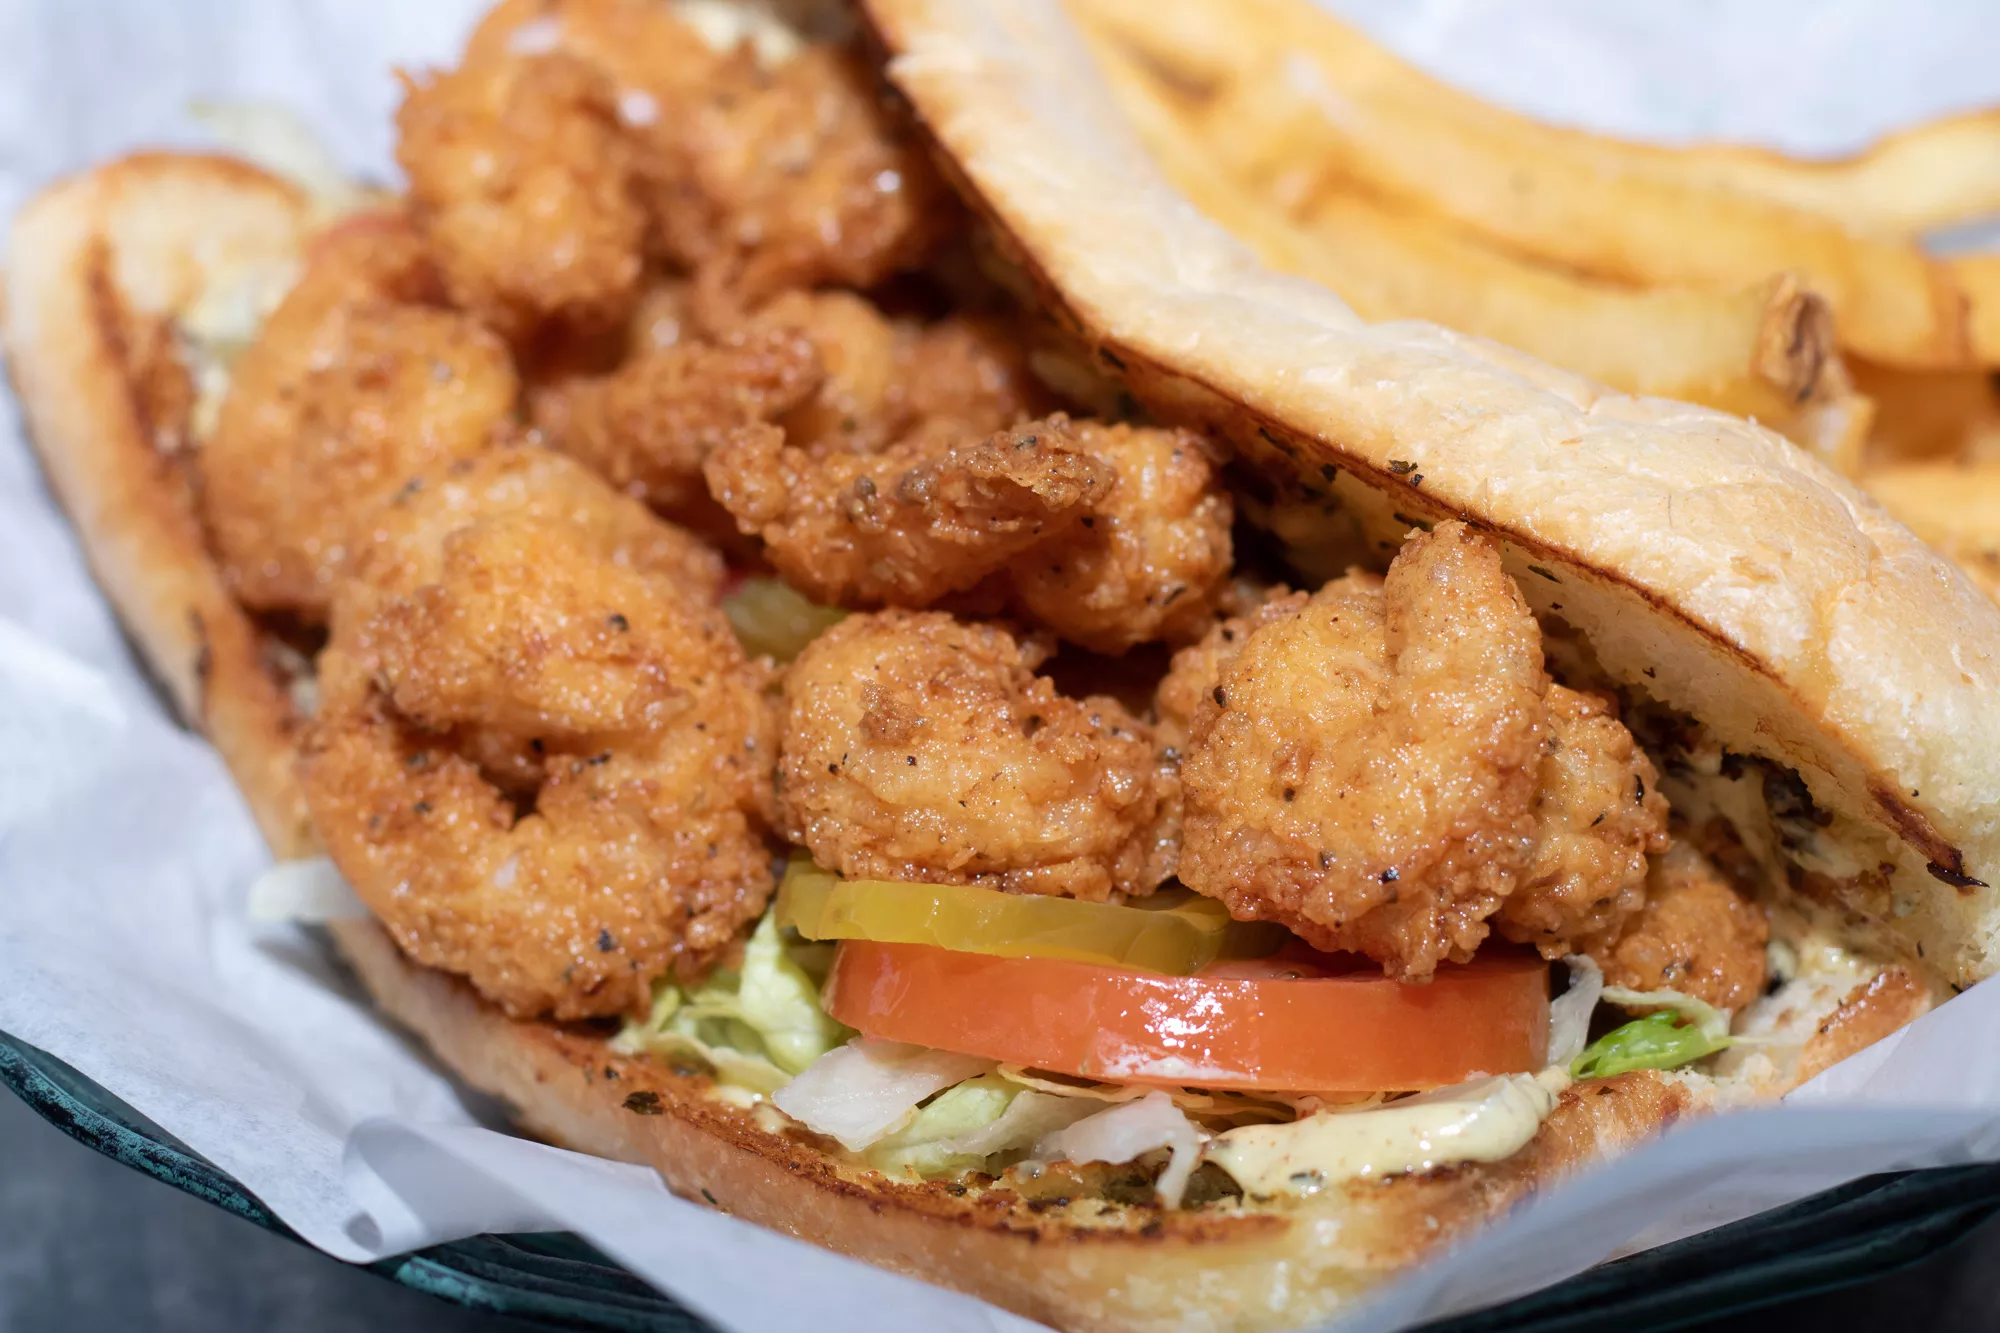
(862, 654)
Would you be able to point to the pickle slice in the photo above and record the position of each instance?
(771, 617)
(1174, 931)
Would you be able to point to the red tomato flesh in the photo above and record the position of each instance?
(1297, 1021)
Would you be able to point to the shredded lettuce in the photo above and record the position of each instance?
(755, 1027)
(1682, 1030)
(966, 1127)
(1570, 1012)
(928, 1145)
(1657, 1041)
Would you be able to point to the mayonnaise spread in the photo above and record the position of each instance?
(1482, 1121)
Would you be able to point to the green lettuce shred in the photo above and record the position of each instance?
(755, 1026)
(982, 1124)
(931, 1144)
(1680, 1032)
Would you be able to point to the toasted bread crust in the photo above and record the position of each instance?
(97, 268)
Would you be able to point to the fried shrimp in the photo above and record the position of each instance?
(967, 375)
(522, 182)
(1197, 668)
(888, 379)
(1149, 562)
(760, 167)
(358, 381)
(910, 524)
(787, 178)
(407, 546)
(647, 426)
(1363, 768)
(541, 757)
(918, 747)
(1695, 934)
(860, 350)
(1598, 813)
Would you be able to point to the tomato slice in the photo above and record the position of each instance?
(1175, 931)
(1295, 1022)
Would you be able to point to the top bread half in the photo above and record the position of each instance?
(1711, 565)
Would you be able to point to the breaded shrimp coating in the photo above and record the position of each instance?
(1197, 669)
(358, 381)
(1364, 769)
(640, 848)
(889, 379)
(790, 177)
(406, 547)
(918, 747)
(1191, 678)
(647, 426)
(1695, 934)
(1598, 814)
(858, 348)
(1151, 560)
(521, 179)
(968, 375)
(760, 169)
(512, 637)
(910, 524)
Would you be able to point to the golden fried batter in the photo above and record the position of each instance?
(407, 542)
(1598, 813)
(918, 747)
(908, 525)
(967, 375)
(792, 177)
(758, 176)
(1198, 668)
(647, 426)
(522, 181)
(527, 618)
(1364, 770)
(1149, 562)
(354, 385)
(662, 317)
(1696, 935)
(859, 349)
(889, 379)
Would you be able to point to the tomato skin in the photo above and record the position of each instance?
(1350, 1032)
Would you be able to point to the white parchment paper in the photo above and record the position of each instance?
(126, 853)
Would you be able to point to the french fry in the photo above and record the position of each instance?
(1954, 507)
(1978, 275)
(1765, 351)
(1559, 195)
(1922, 415)
(1930, 175)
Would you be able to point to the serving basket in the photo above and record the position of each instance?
(1846, 1236)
